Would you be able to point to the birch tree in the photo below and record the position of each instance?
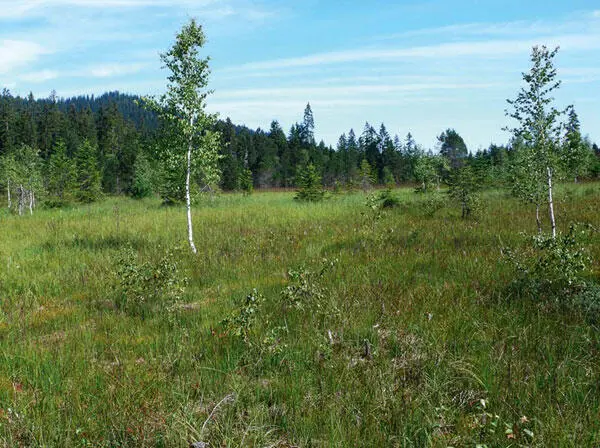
(182, 111)
(539, 132)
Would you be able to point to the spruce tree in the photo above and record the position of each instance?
(143, 176)
(89, 179)
(576, 152)
(310, 185)
(61, 176)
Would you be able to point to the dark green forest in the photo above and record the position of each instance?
(62, 150)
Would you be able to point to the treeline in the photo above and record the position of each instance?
(60, 150)
(276, 159)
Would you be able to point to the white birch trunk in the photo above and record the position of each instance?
(31, 202)
(9, 198)
(188, 199)
(537, 218)
(551, 202)
(20, 199)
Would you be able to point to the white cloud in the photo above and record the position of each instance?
(596, 14)
(112, 70)
(487, 49)
(306, 93)
(207, 9)
(16, 53)
(41, 76)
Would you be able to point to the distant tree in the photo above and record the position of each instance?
(366, 176)
(428, 171)
(388, 177)
(539, 129)
(182, 108)
(310, 185)
(89, 179)
(143, 177)
(246, 181)
(21, 175)
(7, 122)
(453, 148)
(308, 127)
(576, 152)
(61, 176)
(463, 189)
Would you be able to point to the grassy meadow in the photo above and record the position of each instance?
(396, 330)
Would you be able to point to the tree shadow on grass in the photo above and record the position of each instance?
(97, 243)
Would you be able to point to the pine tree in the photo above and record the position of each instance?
(61, 176)
(88, 175)
(308, 127)
(143, 177)
(576, 152)
(366, 176)
(310, 186)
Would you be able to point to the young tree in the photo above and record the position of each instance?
(61, 175)
(539, 130)
(463, 189)
(310, 185)
(89, 179)
(453, 148)
(366, 176)
(142, 186)
(182, 109)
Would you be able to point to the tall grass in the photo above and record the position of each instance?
(413, 338)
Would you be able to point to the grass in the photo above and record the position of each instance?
(410, 339)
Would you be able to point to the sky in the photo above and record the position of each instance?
(417, 66)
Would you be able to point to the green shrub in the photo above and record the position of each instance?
(551, 268)
(144, 287)
(243, 319)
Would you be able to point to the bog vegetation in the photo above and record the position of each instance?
(458, 310)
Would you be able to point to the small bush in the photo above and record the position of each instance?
(388, 199)
(143, 287)
(241, 322)
(305, 290)
(433, 202)
(551, 268)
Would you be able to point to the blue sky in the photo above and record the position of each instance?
(419, 66)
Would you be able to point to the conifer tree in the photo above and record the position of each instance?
(142, 186)
(366, 176)
(61, 176)
(88, 175)
(576, 152)
(310, 185)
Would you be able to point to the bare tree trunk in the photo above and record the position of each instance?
(537, 218)
(9, 198)
(188, 199)
(31, 202)
(551, 202)
(21, 198)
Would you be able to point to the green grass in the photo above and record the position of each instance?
(422, 329)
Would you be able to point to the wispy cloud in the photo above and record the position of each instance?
(487, 49)
(41, 76)
(208, 9)
(348, 90)
(16, 53)
(113, 70)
